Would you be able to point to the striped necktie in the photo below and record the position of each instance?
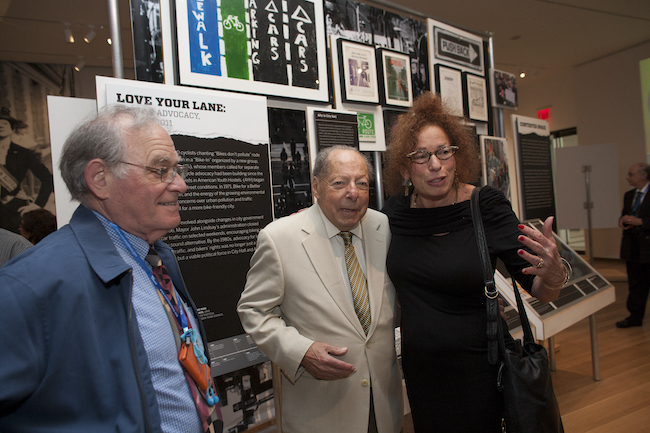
(160, 271)
(358, 283)
(636, 202)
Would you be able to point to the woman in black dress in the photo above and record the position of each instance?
(434, 264)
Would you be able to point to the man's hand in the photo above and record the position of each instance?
(629, 221)
(320, 363)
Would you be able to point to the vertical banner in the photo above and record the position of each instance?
(535, 171)
(233, 23)
(224, 138)
(203, 37)
(269, 64)
(304, 60)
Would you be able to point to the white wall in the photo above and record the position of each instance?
(603, 100)
(84, 81)
(609, 108)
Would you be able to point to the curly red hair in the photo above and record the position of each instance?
(428, 110)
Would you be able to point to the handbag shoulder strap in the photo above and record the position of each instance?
(479, 231)
(523, 317)
(491, 291)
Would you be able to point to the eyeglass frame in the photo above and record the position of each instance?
(181, 169)
(453, 148)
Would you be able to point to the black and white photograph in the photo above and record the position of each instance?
(290, 164)
(363, 23)
(147, 40)
(504, 89)
(26, 182)
(246, 397)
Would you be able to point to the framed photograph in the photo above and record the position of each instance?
(503, 86)
(395, 78)
(475, 92)
(494, 152)
(358, 72)
(276, 51)
(449, 86)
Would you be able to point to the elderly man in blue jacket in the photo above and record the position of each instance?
(89, 341)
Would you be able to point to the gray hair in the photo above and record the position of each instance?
(645, 168)
(104, 138)
(322, 166)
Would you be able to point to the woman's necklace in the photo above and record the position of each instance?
(415, 196)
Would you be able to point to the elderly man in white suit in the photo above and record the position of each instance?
(299, 309)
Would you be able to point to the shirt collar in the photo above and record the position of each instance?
(140, 245)
(333, 231)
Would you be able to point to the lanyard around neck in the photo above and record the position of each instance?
(179, 314)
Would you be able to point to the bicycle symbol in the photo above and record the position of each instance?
(365, 123)
(233, 21)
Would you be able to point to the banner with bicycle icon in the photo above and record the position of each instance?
(269, 47)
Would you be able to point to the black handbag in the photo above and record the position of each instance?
(524, 374)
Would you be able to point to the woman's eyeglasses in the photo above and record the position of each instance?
(423, 156)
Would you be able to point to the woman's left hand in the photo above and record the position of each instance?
(545, 260)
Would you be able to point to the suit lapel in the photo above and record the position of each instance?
(644, 207)
(375, 245)
(319, 250)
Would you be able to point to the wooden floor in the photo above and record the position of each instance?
(620, 401)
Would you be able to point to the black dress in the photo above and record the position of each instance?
(433, 262)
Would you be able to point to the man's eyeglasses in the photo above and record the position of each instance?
(167, 174)
(423, 156)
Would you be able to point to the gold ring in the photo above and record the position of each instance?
(540, 264)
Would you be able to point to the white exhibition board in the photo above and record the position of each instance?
(188, 111)
(64, 114)
(570, 186)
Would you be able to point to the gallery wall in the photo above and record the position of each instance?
(603, 100)
(609, 110)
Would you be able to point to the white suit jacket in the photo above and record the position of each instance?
(295, 295)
